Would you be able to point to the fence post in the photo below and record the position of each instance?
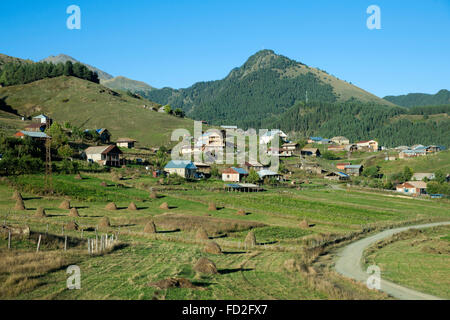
(9, 239)
(38, 244)
(65, 243)
(89, 245)
(96, 243)
(46, 231)
(82, 231)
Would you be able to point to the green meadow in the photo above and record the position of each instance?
(262, 271)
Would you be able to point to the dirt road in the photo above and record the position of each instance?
(348, 263)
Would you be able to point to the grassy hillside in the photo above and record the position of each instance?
(91, 105)
(122, 83)
(264, 87)
(421, 99)
(431, 163)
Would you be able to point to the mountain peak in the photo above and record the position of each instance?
(63, 58)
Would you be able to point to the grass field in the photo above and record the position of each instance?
(258, 272)
(416, 259)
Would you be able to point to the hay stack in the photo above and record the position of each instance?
(212, 247)
(111, 206)
(212, 206)
(72, 225)
(104, 223)
(16, 196)
(164, 206)
(201, 235)
(78, 177)
(20, 205)
(204, 265)
(304, 224)
(291, 265)
(132, 206)
(65, 205)
(40, 213)
(250, 239)
(242, 212)
(74, 212)
(150, 227)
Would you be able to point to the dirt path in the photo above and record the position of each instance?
(348, 263)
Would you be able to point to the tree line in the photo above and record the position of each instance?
(15, 73)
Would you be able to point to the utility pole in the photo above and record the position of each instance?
(48, 160)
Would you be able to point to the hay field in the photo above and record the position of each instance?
(282, 265)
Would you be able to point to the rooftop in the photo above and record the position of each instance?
(180, 164)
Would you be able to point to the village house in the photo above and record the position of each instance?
(31, 134)
(341, 166)
(253, 165)
(340, 140)
(337, 176)
(125, 143)
(412, 153)
(104, 155)
(412, 188)
(310, 152)
(36, 127)
(211, 141)
(353, 169)
(42, 118)
(280, 152)
(263, 174)
(419, 176)
(291, 146)
(270, 135)
(325, 141)
(234, 174)
(105, 136)
(312, 168)
(203, 167)
(314, 139)
(183, 168)
(368, 145)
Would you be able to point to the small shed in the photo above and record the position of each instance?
(125, 143)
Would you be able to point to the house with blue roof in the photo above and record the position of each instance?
(234, 174)
(183, 168)
(32, 134)
(104, 134)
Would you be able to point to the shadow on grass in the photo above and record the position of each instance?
(233, 252)
(169, 231)
(228, 271)
(266, 243)
(32, 198)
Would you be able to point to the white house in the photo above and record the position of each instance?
(104, 155)
(269, 135)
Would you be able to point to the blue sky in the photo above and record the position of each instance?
(177, 43)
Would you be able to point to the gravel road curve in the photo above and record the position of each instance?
(348, 263)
